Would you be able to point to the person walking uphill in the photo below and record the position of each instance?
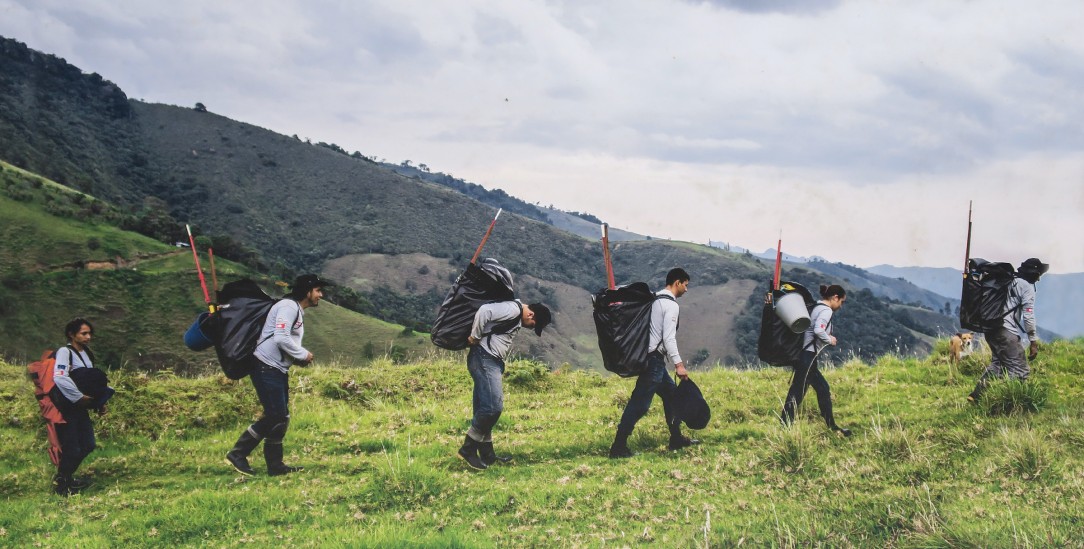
(1007, 342)
(655, 379)
(806, 374)
(490, 340)
(279, 347)
(76, 434)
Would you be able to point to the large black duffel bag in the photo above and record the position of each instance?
(485, 282)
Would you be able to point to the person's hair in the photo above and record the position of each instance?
(676, 275)
(832, 291)
(72, 327)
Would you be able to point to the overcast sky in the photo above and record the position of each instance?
(859, 130)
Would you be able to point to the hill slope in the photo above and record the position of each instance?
(62, 257)
(303, 206)
(923, 469)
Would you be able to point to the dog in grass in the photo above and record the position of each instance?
(960, 346)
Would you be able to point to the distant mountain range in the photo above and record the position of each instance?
(397, 236)
(1059, 298)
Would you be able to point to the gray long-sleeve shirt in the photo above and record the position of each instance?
(664, 325)
(66, 361)
(487, 318)
(1022, 302)
(280, 339)
(820, 329)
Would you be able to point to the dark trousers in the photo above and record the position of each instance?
(653, 380)
(1007, 359)
(76, 437)
(806, 375)
(487, 371)
(273, 390)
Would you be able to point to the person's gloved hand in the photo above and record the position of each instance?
(1033, 350)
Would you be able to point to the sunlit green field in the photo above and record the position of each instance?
(923, 469)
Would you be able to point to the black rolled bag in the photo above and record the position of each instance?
(236, 326)
(623, 322)
(485, 282)
(690, 406)
(984, 299)
(777, 344)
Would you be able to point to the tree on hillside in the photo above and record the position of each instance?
(200, 107)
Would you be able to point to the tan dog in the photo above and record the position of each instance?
(960, 346)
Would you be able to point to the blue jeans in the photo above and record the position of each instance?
(486, 370)
(653, 380)
(273, 389)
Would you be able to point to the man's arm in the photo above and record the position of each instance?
(670, 313)
(285, 318)
(61, 372)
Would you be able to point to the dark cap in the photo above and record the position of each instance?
(542, 317)
(1033, 266)
(306, 282)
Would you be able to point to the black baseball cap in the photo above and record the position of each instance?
(306, 282)
(542, 317)
(1034, 266)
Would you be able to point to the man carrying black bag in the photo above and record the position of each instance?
(654, 379)
(490, 340)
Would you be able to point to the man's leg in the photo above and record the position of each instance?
(639, 402)
(488, 399)
(799, 382)
(666, 391)
(999, 341)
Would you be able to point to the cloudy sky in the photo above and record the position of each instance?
(859, 130)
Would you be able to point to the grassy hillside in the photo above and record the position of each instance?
(62, 257)
(923, 468)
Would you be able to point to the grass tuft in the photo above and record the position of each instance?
(1015, 397)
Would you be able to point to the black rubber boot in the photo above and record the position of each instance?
(62, 486)
(680, 441)
(469, 453)
(489, 456)
(272, 454)
(620, 448)
(238, 456)
(840, 430)
(79, 483)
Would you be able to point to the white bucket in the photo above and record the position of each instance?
(790, 308)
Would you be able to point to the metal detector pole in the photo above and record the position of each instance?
(202, 282)
(486, 237)
(606, 256)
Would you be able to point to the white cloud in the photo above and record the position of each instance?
(757, 116)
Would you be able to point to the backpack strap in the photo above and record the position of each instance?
(504, 326)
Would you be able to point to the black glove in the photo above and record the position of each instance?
(1033, 350)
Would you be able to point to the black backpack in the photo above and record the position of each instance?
(485, 282)
(623, 322)
(236, 326)
(984, 300)
(777, 344)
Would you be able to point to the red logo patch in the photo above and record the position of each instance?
(280, 326)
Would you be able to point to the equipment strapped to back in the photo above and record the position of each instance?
(984, 300)
(236, 326)
(778, 345)
(623, 322)
(41, 373)
(484, 282)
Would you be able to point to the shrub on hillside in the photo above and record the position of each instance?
(1014, 397)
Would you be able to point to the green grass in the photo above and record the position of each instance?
(923, 468)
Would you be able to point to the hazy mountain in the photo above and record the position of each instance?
(1059, 299)
(397, 241)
